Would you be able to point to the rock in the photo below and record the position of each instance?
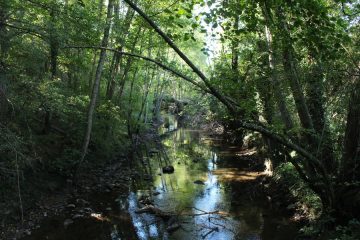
(68, 222)
(145, 200)
(156, 193)
(147, 177)
(168, 169)
(199, 182)
(88, 210)
(82, 202)
(77, 216)
(71, 206)
(291, 206)
(196, 160)
(173, 227)
(153, 151)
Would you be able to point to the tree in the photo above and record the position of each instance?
(96, 85)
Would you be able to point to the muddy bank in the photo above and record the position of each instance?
(71, 202)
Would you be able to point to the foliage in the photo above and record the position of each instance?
(309, 203)
(287, 69)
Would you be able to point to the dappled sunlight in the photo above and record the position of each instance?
(247, 152)
(234, 175)
(99, 217)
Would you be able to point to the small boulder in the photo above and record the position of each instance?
(168, 169)
(199, 182)
(156, 193)
(70, 206)
(77, 216)
(68, 222)
(173, 227)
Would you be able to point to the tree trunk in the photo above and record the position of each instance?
(96, 85)
(235, 55)
(294, 80)
(129, 113)
(196, 70)
(4, 38)
(315, 102)
(54, 44)
(351, 155)
(328, 193)
(127, 67)
(278, 89)
(148, 85)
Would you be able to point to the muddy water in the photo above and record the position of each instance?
(210, 195)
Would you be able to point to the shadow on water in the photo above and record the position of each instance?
(210, 196)
(211, 193)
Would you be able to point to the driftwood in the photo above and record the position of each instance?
(154, 210)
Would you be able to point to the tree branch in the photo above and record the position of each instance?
(163, 66)
(198, 72)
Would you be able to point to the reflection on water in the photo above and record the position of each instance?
(219, 206)
(210, 195)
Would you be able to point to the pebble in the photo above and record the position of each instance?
(76, 216)
(88, 210)
(27, 232)
(199, 182)
(68, 222)
(71, 206)
(82, 202)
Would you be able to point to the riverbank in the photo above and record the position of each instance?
(71, 202)
(206, 171)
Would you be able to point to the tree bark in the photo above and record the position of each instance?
(315, 102)
(54, 44)
(118, 57)
(96, 85)
(196, 70)
(351, 156)
(278, 89)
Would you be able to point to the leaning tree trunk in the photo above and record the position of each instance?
(96, 85)
(254, 126)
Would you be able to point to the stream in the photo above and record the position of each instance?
(210, 195)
